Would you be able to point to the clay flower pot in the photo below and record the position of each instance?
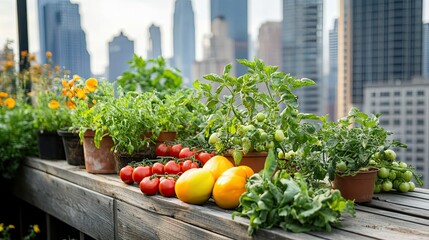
(98, 160)
(255, 160)
(359, 188)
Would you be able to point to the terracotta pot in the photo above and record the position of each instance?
(50, 145)
(359, 188)
(164, 136)
(98, 160)
(72, 148)
(123, 159)
(255, 160)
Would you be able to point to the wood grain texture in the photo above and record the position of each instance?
(136, 223)
(85, 210)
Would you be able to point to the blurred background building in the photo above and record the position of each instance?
(155, 49)
(121, 51)
(269, 43)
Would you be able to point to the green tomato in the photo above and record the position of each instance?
(396, 184)
(404, 187)
(403, 165)
(249, 128)
(259, 148)
(395, 164)
(235, 140)
(390, 155)
(386, 186)
(392, 175)
(407, 175)
(263, 136)
(377, 155)
(214, 138)
(383, 172)
(412, 186)
(372, 162)
(341, 166)
(260, 117)
(377, 188)
(279, 135)
(281, 154)
(269, 145)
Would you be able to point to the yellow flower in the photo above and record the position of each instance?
(71, 82)
(91, 84)
(76, 77)
(64, 92)
(8, 65)
(65, 84)
(3, 94)
(94, 101)
(32, 57)
(80, 93)
(1, 227)
(53, 104)
(10, 103)
(70, 104)
(24, 53)
(11, 226)
(36, 228)
(57, 68)
(48, 54)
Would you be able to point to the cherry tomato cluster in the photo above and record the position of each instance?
(156, 177)
(178, 151)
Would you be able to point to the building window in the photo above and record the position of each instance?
(419, 159)
(409, 121)
(420, 111)
(409, 159)
(408, 131)
(384, 103)
(420, 122)
(409, 103)
(397, 103)
(419, 168)
(384, 94)
(409, 93)
(397, 111)
(384, 122)
(420, 102)
(420, 93)
(409, 111)
(420, 150)
(373, 94)
(373, 103)
(385, 112)
(419, 140)
(396, 122)
(420, 132)
(397, 94)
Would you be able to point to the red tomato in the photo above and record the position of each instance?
(162, 150)
(204, 157)
(166, 187)
(149, 186)
(175, 150)
(158, 168)
(171, 167)
(141, 172)
(195, 165)
(186, 153)
(186, 165)
(126, 174)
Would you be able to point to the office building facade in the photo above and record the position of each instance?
(121, 51)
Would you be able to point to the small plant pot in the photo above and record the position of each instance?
(123, 159)
(50, 146)
(255, 160)
(359, 188)
(98, 160)
(72, 147)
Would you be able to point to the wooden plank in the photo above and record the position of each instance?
(136, 223)
(208, 216)
(382, 227)
(390, 214)
(417, 203)
(393, 207)
(406, 196)
(85, 210)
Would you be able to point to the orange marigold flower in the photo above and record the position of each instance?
(32, 57)
(76, 77)
(9, 103)
(71, 82)
(69, 94)
(3, 94)
(65, 84)
(48, 54)
(8, 65)
(64, 92)
(57, 68)
(24, 53)
(80, 93)
(91, 84)
(70, 104)
(53, 104)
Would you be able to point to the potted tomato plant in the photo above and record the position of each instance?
(252, 113)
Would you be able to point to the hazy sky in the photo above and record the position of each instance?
(102, 20)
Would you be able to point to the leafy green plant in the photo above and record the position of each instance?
(148, 75)
(254, 112)
(50, 114)
(282, 201)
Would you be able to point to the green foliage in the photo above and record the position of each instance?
(18, 137)
(50, 114)
(148, 75)
(256, 111)
(289, 203)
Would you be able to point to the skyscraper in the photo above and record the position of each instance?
(379, 41)
(155, 49)
(302, 48)
(235, 14)
(426, 50)
(333, 73)
(184, 39)
(121, 51)
(270, 43)
(61, 33)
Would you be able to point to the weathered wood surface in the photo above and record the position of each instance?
(388, 216)
(85, 210)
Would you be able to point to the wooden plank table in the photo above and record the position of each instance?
(103, 207)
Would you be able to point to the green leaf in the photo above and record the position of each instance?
(227, 69)
(270, 165)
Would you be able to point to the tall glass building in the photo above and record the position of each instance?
(381, 41)
(155, 49)
(302, 49)
(61, 33)
(333, 73)
(426, 50)
(184, 39)
(235, 15)
(121, 51)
